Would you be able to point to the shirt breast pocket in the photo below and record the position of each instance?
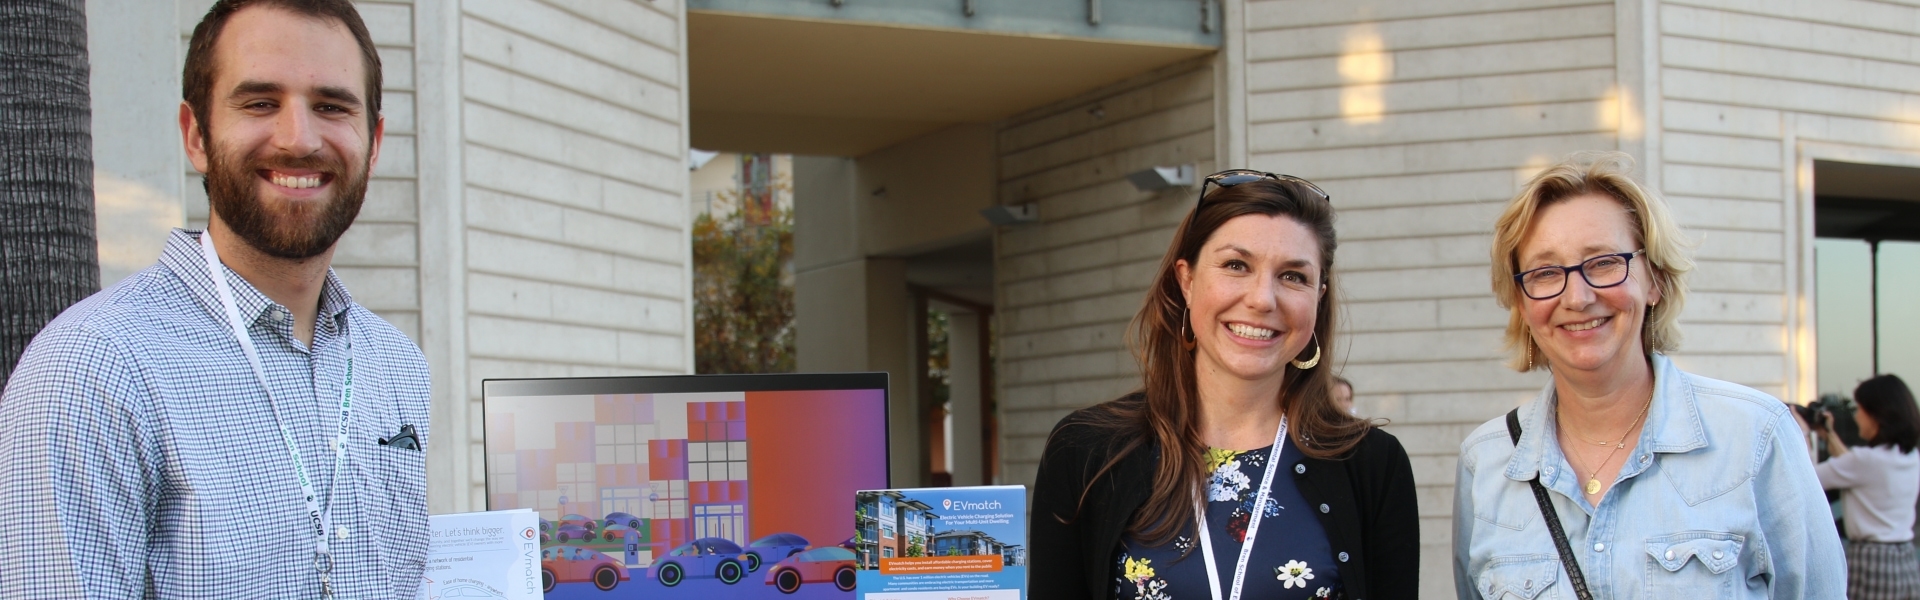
(1698, 565)
(1519, 578)
(401, 474)
(399, 513)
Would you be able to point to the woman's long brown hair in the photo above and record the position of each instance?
(1170, 416)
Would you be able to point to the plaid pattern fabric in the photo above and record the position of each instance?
(1882, 571)
(140, 458)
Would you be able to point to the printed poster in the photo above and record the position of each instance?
(492, 555)
(940, 544)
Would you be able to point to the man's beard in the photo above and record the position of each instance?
(294, 230)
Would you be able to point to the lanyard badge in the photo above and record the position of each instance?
(1260, 500)
(319, 519)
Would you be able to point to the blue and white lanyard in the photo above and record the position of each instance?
(320, 519)
(1253, 522)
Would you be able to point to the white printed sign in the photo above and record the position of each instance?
(483, 555)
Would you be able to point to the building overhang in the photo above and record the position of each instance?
(828, 84)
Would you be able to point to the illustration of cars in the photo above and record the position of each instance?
(773, 548)
(714, 557)
(580, 521)
(570, 565)
(819, 565)
(546, 531)
(572, 533)
(620, 518)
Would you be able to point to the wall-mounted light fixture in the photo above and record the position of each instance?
(1160, 178)
(1003, 215)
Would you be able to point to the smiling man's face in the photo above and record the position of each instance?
(288, 147)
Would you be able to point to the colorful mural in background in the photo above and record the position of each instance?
(694, 495)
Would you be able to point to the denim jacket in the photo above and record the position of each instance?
(1718, 500)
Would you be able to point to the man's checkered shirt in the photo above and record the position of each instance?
(139, 456)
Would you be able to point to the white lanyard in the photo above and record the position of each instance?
(1253, 522)
(320, 520)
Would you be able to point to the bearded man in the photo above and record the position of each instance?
(228, 423)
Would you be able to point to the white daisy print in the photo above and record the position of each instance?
(1294, 574)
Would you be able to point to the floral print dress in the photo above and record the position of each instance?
(1291, 557)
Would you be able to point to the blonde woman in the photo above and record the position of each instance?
(1626, 477)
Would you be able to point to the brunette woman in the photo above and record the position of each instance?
(1880, 480)
(1231, 473)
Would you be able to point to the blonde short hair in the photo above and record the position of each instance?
(1669, 255)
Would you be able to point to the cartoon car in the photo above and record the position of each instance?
(819, 565)
(583, 522)
(546, 531)
(614, 533)
(570, 533)
(567, 564)
(620, 518)
(773, 548)
(705, 557)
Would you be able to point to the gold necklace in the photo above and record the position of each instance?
(1593, 478)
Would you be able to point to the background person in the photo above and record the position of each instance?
(1881, 480)
(1666, 483)
(211, 426)
(1233, 456)
(1343, 395)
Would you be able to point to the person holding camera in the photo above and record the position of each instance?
(1880, 481)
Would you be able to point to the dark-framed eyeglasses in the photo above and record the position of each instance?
(1603, 271)
(1232, 177)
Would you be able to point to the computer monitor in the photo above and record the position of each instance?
(695, 486)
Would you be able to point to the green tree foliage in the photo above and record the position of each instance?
(743, 292)
(939, 361)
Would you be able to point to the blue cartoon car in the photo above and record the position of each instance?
(772, 549)
(623, 519)
(572, 534)
(714, 557)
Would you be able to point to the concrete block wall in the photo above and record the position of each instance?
(1069, 284)
(571, 223)
(1751, 94)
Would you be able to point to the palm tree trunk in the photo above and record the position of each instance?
(48, 256)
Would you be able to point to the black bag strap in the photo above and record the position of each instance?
(1553, 518)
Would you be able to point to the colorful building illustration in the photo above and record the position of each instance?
(626, 455)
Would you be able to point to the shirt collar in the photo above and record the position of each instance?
(182, 256)
(1673, 421)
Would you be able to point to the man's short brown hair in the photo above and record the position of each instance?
(196, 82)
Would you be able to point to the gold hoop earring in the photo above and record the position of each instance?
(1186, 337)
(1311, 362)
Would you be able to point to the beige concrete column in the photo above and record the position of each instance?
(963, 368)
(853, 313)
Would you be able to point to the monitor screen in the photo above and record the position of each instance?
(694, 486)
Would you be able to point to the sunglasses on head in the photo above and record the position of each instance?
(1232, 177)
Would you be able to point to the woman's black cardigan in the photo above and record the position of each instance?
(1370, 512)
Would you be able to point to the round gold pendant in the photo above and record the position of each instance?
(1593, 486)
